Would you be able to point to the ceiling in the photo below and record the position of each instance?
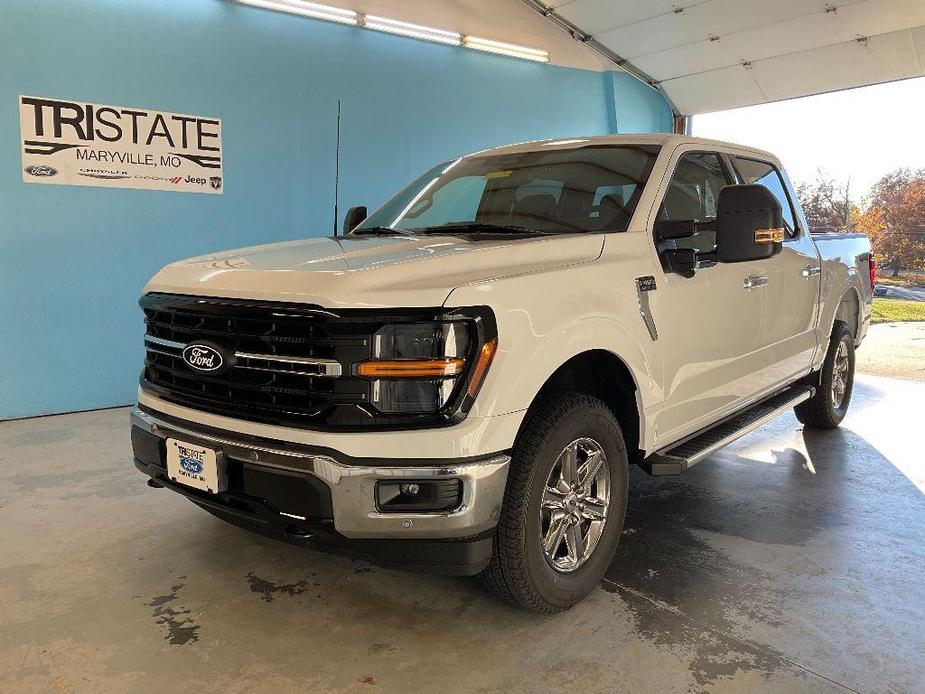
(502, 20)
(710, 55)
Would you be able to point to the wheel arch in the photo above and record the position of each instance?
(849, 311)
(602, 374)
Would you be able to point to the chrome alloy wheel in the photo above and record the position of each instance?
(574, 505)
(840, 375)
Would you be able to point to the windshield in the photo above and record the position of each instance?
(584, 189)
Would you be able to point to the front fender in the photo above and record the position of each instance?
(539, 330)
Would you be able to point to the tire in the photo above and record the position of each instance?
(828, 407)
(521, 571)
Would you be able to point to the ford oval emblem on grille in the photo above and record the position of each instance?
(203, 357)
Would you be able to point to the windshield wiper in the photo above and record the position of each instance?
(382, 231)
(479, 228)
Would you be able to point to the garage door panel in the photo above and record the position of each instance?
(595, 16)
(794, 35)
(696, 24)
(918, 39)
(893, 56)
(881, 59)
(714, 91)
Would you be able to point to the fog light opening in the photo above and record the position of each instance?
(418, 496)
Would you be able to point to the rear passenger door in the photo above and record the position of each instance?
(788, 332)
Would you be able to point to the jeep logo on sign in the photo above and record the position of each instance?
(203, 358)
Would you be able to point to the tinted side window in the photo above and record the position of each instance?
(754, 171)
(692, 194)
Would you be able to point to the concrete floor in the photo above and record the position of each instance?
(894, 349)
(792, 561)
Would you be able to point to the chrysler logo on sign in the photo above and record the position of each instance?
(203, 358)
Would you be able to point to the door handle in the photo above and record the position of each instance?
(811, 270)
(753, 281)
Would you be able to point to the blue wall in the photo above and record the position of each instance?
(73, 260)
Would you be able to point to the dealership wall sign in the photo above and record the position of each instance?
(79, 143)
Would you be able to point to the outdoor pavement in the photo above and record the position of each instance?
(893, 349)
(903, 293)
(791, 561)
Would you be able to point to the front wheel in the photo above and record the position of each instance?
(828, 407)
(564, 507)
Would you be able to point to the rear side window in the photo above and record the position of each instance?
(754, 171)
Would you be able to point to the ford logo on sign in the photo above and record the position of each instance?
(203, 358)
(41, 170)
(194, 467)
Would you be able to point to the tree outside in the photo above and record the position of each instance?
(893, 215)
(894, 218)
(827, 203)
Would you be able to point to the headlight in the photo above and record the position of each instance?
(421, 367)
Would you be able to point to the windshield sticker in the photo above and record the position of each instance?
(499, 174)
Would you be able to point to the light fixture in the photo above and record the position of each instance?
(306, 9)
(510, 49)
(415, 31)
(394, 26)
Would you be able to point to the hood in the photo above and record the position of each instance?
(369, 271)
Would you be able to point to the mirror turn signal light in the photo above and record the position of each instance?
(411, 368)
(764, 237)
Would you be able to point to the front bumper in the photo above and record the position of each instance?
(297, 492)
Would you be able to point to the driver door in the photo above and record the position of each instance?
(709, 325)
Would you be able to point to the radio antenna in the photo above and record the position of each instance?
(336, 166)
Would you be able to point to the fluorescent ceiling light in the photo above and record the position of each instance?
(306, 9)
(394, 26)
(502, 48)
(415, 31)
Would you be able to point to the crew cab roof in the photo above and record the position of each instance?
(661, 139)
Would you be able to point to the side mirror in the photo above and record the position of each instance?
(355, 217)
(672, 229)
(749, 224)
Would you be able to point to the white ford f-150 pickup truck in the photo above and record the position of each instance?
(460, 381)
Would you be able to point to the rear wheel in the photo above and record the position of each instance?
(564, 508)
(828, 407)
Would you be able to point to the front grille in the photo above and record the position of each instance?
(292, 364)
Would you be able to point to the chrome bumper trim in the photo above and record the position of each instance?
(353, 487)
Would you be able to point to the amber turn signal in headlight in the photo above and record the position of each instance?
(486, 354)
(411, 368)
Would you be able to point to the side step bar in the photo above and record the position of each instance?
(680, 456)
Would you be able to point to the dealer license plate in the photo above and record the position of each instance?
(195, 466)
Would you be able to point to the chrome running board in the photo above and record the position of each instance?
(678, 457)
